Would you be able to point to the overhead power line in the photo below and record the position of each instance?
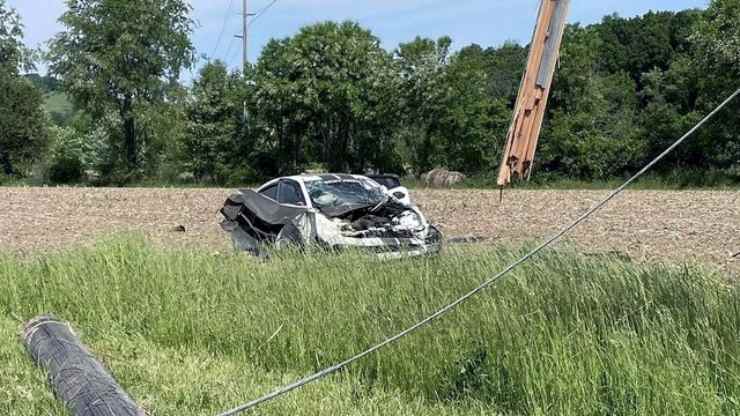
(227, 56)
(223, 28)
(246, 24)
(262, 12)
(485, 285)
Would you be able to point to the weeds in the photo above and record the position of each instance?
(191, 333)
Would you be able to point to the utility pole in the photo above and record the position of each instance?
(245, 30)
(245, 44)
(245, 34)
(544, 51)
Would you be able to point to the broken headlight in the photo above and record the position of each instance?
(408, 221)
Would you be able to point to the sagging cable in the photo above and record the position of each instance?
(493, 280)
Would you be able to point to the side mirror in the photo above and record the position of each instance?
(399, 195)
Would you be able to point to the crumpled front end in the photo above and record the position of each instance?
(392, 232)
(254, 221)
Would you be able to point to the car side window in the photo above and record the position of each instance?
(392, 183)
(271, 192)
(387, 181)
(289, 192)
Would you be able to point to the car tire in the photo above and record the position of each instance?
(289, 236)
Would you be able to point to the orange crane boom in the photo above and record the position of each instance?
(529, 111)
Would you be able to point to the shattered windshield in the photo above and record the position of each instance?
(349, 193)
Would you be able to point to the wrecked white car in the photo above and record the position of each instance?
(331, 211)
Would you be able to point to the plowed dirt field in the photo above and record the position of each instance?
(685, 226)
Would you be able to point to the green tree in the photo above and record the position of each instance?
(120, 57)
(211, 121)
(636, 45)
(505, 65)
(68, 150)
(592, 129)
(473, 123)
(671, 110)
(326, 95)
(454, 106)
(598, 137)
(12, 51)
(578, 64)
(422, 66)
(23, 134)
(282, 110)
(163, 127)
(717, 58)
(718, 35)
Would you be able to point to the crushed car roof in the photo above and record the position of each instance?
(325, 176)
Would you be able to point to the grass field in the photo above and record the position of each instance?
(191, 333)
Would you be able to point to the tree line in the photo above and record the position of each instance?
(331, 98)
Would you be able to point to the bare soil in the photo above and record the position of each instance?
(685, 226)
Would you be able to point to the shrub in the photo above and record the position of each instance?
(67, 169)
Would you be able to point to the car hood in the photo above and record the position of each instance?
(263, 207)
(344, 209)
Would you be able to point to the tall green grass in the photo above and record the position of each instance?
(193, 333)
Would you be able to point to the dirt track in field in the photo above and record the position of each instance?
(701, 226)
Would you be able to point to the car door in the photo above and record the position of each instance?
(290, 193)
(270, 191)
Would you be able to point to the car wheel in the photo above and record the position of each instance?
(289, 236)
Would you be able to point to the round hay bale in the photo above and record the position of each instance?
(442, 178)
(454, 178)
(428, 177)
(439, 180)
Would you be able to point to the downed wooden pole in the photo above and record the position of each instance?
(77, 377)
(531, 103)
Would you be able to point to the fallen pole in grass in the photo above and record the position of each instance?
(77, 377)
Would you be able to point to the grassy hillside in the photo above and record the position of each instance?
(56, 102)
(193, 333)
(58, 105)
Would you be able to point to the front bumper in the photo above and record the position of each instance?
(390, 248)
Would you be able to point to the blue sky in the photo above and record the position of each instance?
(485, 22)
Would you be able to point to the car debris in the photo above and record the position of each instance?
(468, 239)
(335, 211)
